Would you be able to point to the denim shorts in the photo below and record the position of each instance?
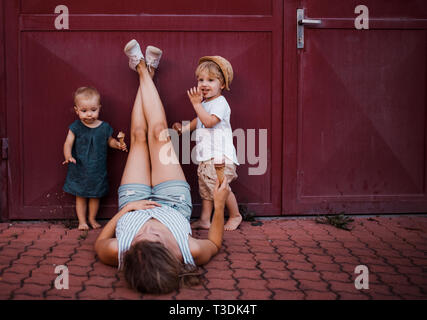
(173, 193)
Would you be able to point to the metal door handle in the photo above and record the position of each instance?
(309, 22)
(301, 22)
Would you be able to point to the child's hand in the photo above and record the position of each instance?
(195, 95)
(121, 146)
(177, 127)
(70, 159)
(115, 144)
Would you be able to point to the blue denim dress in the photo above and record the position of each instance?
(88, 177)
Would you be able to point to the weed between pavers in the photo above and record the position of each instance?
(73, 224)
(83, 235)
(248, 215)
(340, 221)
(70, 224)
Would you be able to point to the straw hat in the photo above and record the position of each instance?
(224, 66)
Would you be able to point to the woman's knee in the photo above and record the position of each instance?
(139, 134)
(159, 132)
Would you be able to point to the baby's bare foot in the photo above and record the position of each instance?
(199, 224)
(83, 226)
(94, 224)
(233, 223)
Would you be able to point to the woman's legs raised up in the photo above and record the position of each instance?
(165, 165)
(137, 169)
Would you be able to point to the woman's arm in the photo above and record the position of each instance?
(68, 146)
(204, 249)
(106, 244)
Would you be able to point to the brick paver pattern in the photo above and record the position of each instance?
(281, 259)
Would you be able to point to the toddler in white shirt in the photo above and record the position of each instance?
(214, 136)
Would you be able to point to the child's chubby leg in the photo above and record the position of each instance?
(81, 207)
(235, 218)
(93, 211)
(205, 174)
(204, 221)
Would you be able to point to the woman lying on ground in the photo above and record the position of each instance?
(150, 237)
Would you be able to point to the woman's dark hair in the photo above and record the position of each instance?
(151, 268)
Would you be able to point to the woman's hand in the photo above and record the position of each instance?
(195, 95)
(141, 205)
(221, 193)
(131, 206)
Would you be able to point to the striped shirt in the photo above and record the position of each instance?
(130, 223)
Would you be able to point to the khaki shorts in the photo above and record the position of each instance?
(207, 177)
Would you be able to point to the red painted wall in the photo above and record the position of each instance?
(355, 109)
(346, 115)
(46, 65)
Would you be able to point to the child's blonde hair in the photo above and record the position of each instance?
(218, 66)
(86, 93)
(212, 69)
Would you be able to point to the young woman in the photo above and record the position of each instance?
(150, 237)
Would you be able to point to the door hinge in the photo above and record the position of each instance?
(4, 148)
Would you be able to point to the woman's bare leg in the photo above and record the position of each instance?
(158, 139)
(137, 169)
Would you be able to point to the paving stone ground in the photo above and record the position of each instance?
(292, 258)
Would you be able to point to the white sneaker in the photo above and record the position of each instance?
(152, 57)
(133, 51)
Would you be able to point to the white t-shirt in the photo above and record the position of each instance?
(217, 141)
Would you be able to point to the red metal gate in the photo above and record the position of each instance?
(45, 65)
(345, 115)
(355, 108)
